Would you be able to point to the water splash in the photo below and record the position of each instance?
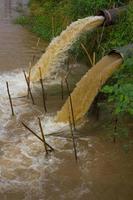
(88, 87)
(56, 52)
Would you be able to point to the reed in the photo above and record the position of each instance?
(43, 136)
(43, 91)
(10, 99)
(87, 53)
(29, 89)
(33, 132)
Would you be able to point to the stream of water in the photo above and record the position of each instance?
(104, 171)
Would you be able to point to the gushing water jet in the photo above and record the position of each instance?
(57, 51)
(88, 87)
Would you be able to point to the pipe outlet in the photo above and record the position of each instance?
(125, 52)
(112, 15)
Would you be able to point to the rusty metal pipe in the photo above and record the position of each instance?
(125, 52)
(112, 15)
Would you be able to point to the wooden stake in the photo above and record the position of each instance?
(10, 99)
(29, 89)
(43, 137)
(51, 148)
(70, 98)
(43, 91)
(73, 139)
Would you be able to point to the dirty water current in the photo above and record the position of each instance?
(103, 171)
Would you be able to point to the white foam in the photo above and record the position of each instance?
(57, 51)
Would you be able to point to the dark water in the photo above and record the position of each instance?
(103, 172)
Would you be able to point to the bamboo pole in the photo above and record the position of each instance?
(71, 105)
(26, 79)
(43, 136)
(43, 91)
(73, 139)
(10, 99)
(51, 148)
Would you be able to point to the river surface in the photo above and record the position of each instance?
(104, 171)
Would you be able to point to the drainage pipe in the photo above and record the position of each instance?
(112, 15)
(125, 52)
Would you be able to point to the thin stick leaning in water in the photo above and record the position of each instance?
(43, 136)
(52, 149)
(29, 88)
(73, 139)
(71, 105)
(10, 99)
(43, 91)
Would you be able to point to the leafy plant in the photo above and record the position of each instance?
(120, 89)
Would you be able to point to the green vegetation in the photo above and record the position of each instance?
(49, 17)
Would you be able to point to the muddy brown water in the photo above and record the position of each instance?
(104, 171)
